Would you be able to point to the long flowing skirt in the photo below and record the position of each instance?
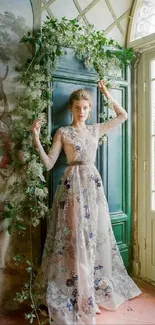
(81, 263)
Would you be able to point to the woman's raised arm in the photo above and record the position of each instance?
(121, 114)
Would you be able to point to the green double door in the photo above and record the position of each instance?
(113, 157)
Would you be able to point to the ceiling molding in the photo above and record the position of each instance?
(86, 15)
(87, 9)
(126, 13)
(80, 12)
(114, 16)
(47, 8)
(47, 4)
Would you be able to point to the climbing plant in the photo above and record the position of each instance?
(34, 80)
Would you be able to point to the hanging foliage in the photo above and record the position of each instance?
(34, 80)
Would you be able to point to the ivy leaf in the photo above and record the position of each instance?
(9, 205)
(37, 47)
(73, 21)
(47, 94)
(20, 226)
(26, 39)
(27, 285)
(30, 316)
(10, 230)
(7, 214)
(29, 269)
(58, 52)
(19, 258)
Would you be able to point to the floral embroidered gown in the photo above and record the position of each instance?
(81, 263)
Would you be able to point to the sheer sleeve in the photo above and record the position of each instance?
(102, 128)
(121, 116)
(55, 150)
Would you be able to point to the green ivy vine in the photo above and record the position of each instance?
(34, 80)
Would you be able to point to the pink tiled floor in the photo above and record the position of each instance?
(137, 311)
(140, 310)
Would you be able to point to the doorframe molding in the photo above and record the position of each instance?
(141, 172)
(139, 158)
(138, 154)
(135, 239)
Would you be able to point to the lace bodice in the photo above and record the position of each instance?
(79, 146)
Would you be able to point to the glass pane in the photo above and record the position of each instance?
(153, 107)
(144, 20)
(152, 69)
(153, 201)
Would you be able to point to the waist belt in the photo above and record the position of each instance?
(84, 163)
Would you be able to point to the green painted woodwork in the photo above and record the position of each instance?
(113, 158)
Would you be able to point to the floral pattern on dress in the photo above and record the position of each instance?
(81, 262)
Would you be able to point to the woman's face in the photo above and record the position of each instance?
(80, 110)
(1, 107)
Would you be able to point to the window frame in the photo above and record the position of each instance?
(144, 43)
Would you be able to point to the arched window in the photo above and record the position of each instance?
(142, 22)
(144, 19)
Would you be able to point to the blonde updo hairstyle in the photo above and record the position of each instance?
(78, 95)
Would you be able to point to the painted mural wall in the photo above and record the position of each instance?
(16, 18)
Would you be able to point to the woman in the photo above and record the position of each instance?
(81, 266)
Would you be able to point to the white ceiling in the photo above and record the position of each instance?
(112, 16)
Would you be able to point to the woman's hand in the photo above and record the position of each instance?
(102, 87)
(36, 126)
